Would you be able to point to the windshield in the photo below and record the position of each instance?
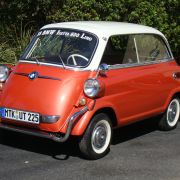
(61, 46)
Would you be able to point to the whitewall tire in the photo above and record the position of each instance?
(95, 143)
(170, 118)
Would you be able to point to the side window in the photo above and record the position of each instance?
(135, 48)
(151, 48)
(120, 49)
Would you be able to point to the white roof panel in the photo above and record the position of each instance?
(105, 28)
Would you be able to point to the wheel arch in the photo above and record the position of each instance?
(170, 97)
(177, 94)
(84, 122)
(110, 112)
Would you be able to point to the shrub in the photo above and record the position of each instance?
(161, 14)
(13, 41)
(7, 54)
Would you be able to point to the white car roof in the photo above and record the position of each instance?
(105, 28)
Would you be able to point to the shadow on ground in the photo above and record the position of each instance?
(135, 130)
(64, 150)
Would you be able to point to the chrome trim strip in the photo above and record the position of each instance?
(22, 74)
(48, 77)
(39, 76)
(44, 134)
(55, 65)
(120, 66)
(82, 111)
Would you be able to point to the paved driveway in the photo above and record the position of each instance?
(139, 152)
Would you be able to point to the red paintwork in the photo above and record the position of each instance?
(133, 93)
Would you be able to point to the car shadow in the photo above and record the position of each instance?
(135, 130)
(58, 151)
(62, 151)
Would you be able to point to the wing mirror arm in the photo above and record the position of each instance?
(102, 70)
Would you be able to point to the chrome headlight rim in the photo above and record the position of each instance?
(92, 91)
(3, 77)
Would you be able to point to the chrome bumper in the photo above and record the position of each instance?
(43, 134)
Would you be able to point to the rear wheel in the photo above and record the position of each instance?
(95, 142)
(170, 118)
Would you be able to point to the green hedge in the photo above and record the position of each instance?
(161, 14)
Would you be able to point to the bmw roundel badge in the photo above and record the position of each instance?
(33, 75)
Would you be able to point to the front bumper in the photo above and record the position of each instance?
(44, 134)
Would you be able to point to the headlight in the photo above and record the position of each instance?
(4, 72)
(91, 88)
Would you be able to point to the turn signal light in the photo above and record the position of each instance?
(82, 102)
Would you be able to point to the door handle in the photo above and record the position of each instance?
(176, 75)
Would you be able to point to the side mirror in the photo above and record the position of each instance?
(103, 68)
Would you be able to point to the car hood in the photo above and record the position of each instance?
(54, 91)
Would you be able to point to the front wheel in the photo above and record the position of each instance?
(96, 140)
(170, 118)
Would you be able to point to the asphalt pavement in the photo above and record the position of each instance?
(138, 152)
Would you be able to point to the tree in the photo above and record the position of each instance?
(21, 19)
(163, 15)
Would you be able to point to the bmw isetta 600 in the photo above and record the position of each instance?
(85, 78)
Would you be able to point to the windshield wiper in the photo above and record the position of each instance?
(36, 59)
(64, 66)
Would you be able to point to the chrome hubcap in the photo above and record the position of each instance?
(172, 111)
(99, 136)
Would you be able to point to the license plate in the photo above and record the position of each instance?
(19, 115)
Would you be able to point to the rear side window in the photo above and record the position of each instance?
(133, 49)
(151, 48)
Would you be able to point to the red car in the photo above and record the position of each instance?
(85, 78)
